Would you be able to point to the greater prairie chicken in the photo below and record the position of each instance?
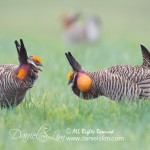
(116, 82)
(76, 31)
(15, 80)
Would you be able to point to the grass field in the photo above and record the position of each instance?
(125, 25)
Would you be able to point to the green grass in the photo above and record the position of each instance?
(125, 25)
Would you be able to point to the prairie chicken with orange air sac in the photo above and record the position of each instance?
(15, 80)
(117, 82)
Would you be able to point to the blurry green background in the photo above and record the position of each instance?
(125, 25)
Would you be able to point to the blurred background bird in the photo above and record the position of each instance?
(15, 80)
(116, 82)
(76, 30)
(92, 28)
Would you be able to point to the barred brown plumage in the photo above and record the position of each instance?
(117, 82)
(15, 80)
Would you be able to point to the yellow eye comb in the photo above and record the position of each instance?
(69, 75)
(36, 58)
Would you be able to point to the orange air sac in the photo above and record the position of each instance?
(84, 82)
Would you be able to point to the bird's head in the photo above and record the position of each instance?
(78, 78)
(71, 77)
(28, 65)
(36, 62)
(69, 18)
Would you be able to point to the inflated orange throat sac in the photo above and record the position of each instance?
(84, 82)
(22, 74)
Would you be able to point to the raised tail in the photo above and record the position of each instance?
(146, 56)
(22, 53)
(74, 64)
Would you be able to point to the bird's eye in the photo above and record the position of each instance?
(36, 62)
(72, 77)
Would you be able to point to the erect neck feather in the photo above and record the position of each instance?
(24, 71)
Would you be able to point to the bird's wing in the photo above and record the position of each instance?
(144, 84)
(118, 87)
(132, 73)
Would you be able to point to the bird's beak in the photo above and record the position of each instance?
(69, 82)
(41, 65)
(39, 69)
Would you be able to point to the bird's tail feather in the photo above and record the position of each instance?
(146, 56)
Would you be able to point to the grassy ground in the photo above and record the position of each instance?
(125, 25)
